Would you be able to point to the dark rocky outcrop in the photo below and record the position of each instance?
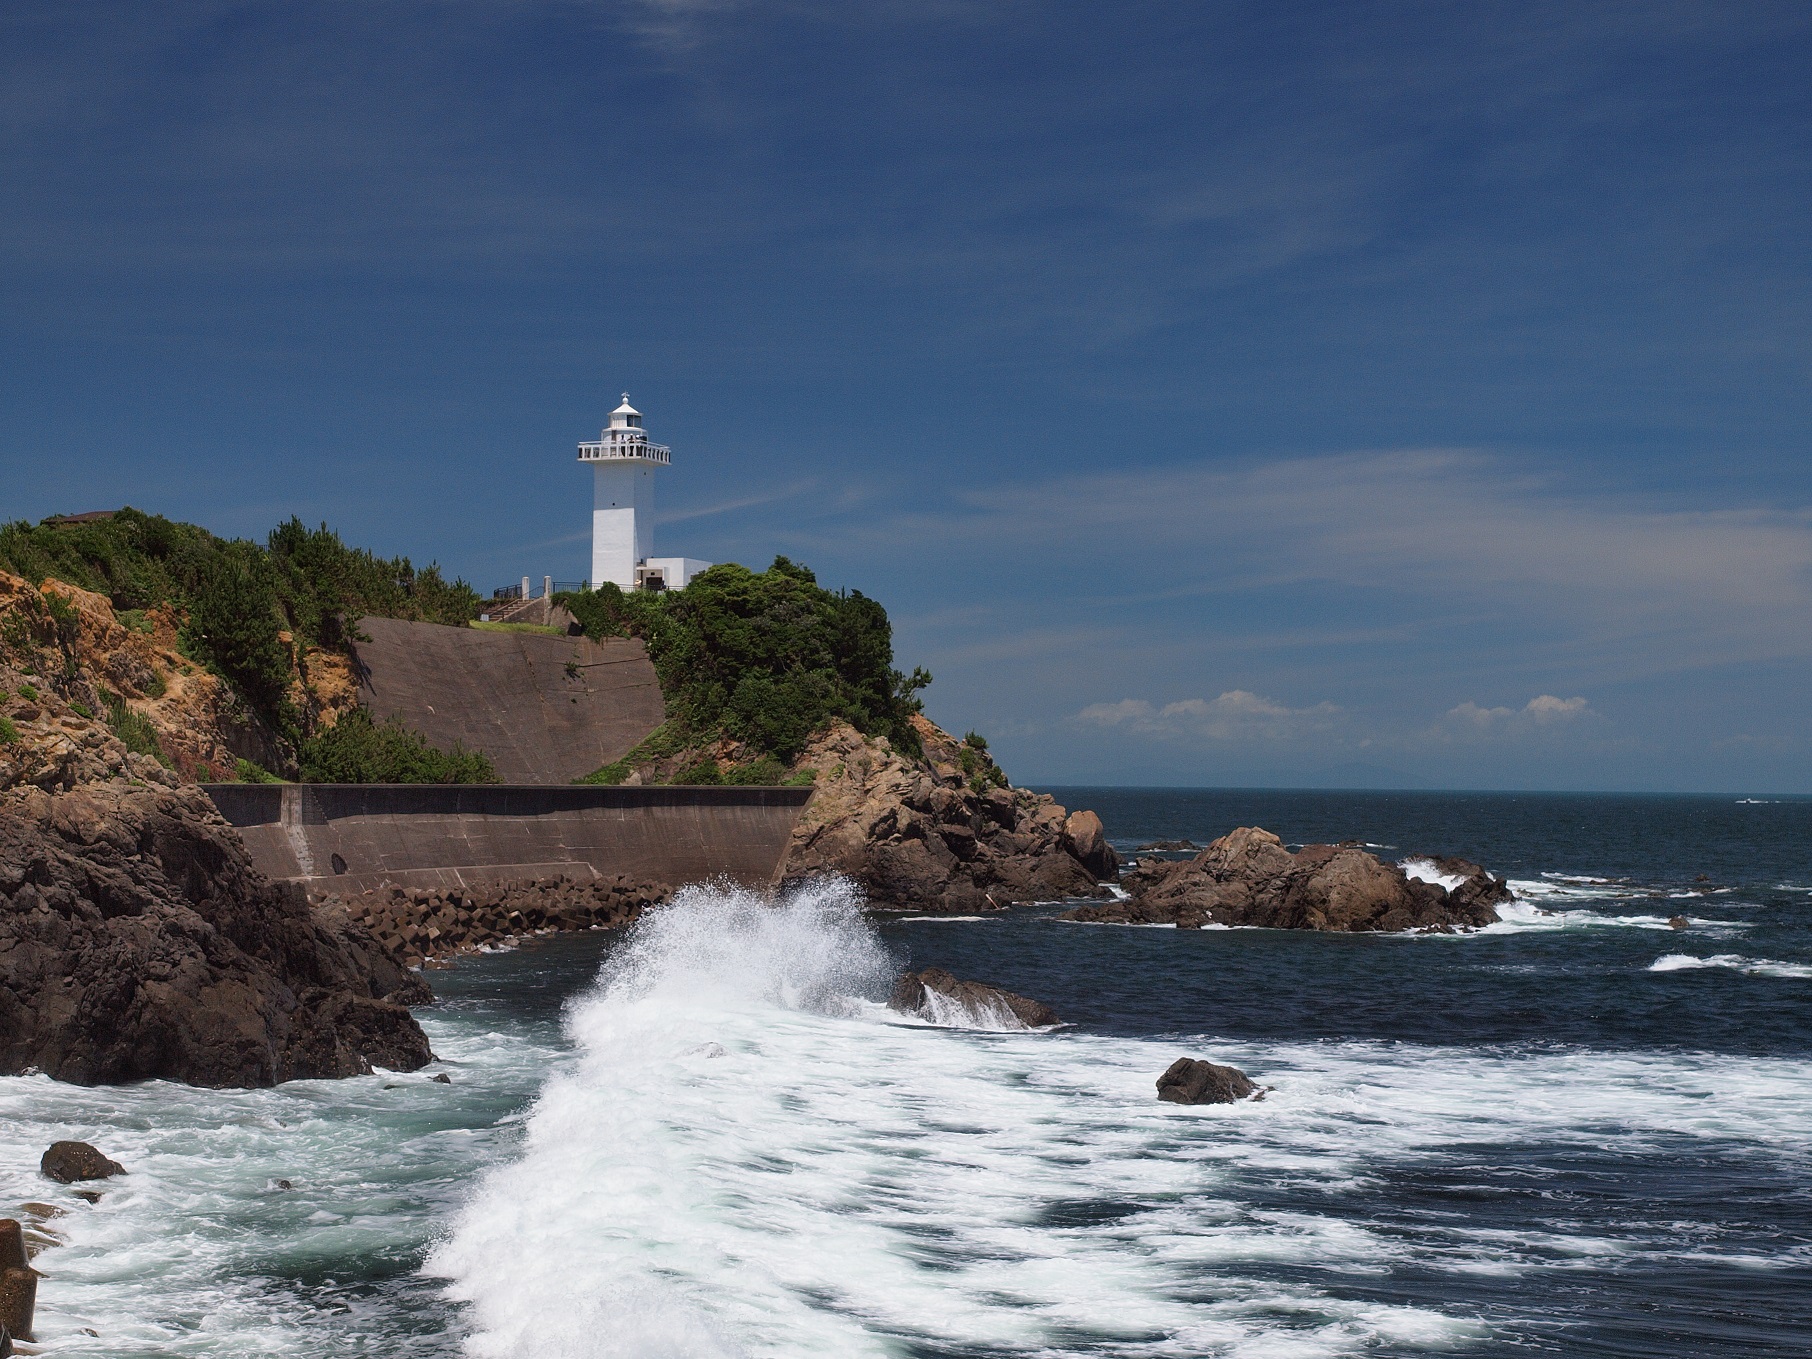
(74, 1162)
(137, 941)
(18, 1285)
(935, 995)
(939, 832)
(1247, 877)
(1189, 1081)
(414, 925)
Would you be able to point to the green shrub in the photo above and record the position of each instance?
(769, 658)
(134, 620)
(82, 710)
(233, 625)
(155, 687)
(975, 741)
(766, 772)
(8, 732)
(64, 619)
(704, 772)
(805, 778)
(609, 775)
(664, 741)
(357, 750)
(247, 772)
(28, 692)
(135, 732)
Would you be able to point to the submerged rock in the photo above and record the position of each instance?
(74, 1162)
(935, 995)
(1191, 1081)
(1247, 877)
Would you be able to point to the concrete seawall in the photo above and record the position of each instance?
(545, 709)
(339, 837)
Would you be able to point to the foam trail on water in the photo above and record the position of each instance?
(1755, 967)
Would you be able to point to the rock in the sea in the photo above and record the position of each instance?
(74, 1162)
(935, 995)
(1083, 835)
(1247, 877)
(936, 831)
(1190, 1081)
(18, 1283)
(137, 941)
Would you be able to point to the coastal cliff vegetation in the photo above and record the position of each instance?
(221, 658)
(228, 658)
(756, 663)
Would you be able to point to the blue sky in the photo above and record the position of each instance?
(1214, 393)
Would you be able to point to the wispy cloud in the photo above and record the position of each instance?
(1598, 583)
(1236, 715)
(798, 488)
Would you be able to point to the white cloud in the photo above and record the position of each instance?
(1236, 715)
(1544, 710)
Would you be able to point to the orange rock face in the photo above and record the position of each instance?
(922, 833)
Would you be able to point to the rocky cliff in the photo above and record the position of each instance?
(940, 831)
(136, 940)
(71, 644)
(1247, 877)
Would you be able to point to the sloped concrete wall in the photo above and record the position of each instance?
(336, 837)
(545, 709)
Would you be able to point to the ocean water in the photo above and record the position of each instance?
(1579, 1132)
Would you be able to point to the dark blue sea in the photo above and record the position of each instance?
(1586, 1130)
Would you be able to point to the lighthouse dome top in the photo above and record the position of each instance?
(626, 416)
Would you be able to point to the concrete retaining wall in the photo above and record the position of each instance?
(545, 709)
(339, 837)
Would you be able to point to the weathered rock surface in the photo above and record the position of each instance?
(1247, 877)
(137, 941)
(74, 1162)
(935, 995)
(71, 645)
(414, 926)
(940, 833)
(18, 1284)
(1190, 1081)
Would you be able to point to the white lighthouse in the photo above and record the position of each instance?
(622, 508)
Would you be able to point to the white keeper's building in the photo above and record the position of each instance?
(623, 464)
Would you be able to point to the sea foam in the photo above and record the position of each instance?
(838, 1182)
(1755, 967)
